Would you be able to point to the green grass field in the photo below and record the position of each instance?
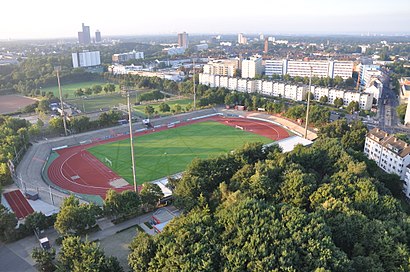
(182, 102)
(70, 88)
(96, 102)
(168, 152)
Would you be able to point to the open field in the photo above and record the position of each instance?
(12, 103)
(96, 102)
(168, 152)
(139, 110)
(70, 88)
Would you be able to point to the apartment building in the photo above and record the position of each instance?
(274, 67)
(301, 68)
(252, 67)
(290, 91)
(86, 59)
(390, 153)
(225, 67)
(124, 57)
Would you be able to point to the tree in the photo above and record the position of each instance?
(312, 96)
(164, 107)
(177, 108)
(323, 99)
(80, 123)
(121, 204)
(88, 91)
(149, 110)
(150, 194)
(8, 223)
(142, 251)
(338, 102)
(44, 258)
(79, 92)
(75, 218)
(37, 221)
(401, 111)
(76, 255)
(96, 89)
(43, 105)
(353, 107)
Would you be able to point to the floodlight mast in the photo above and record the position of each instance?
(57, 69)
(193, 79)
(131, 142)
(308, 102)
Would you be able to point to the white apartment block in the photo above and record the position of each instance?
(301, 68)
(123, 57)
(86, 59)
(267, 88)
(390, 154)
(251, 86)
(242, 85)
(406, 185)
(290, 91)
(375, 87)
(232, 83)
(252, 67)
(274, 67)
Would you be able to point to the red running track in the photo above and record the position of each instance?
(18, 204)
(79, 171)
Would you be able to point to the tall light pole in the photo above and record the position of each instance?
(308, 103)
(193, 79)
(57, 69)
(131, 142)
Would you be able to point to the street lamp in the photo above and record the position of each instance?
(308, 103)
(58, 69)
(131, 142)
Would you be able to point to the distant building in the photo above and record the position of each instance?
(183, 40)
(97, 36)
(252, 67)
(84, 35)
(266, 46)
(174, 51)
(224, 67)
(301, 68)
(367, 71)
(390, 153)
(86, 59)
(124, 57)
(242, 39)
(201, 47)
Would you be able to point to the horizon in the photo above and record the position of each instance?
(295, 17)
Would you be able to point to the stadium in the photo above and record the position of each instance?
(90, 166)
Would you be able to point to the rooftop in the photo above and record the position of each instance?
(390, 142)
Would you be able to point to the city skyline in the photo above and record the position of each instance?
(159, 18)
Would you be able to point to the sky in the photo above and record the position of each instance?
(40, 19)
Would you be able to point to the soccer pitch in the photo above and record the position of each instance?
(167, 152)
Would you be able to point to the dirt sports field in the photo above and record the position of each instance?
(12, 103)
(76, 169)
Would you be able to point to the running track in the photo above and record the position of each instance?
(18, 204)
(79, 171)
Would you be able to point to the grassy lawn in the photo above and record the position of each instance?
(70, 88)
(96, 102)
(170, 151)
(140, 109)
